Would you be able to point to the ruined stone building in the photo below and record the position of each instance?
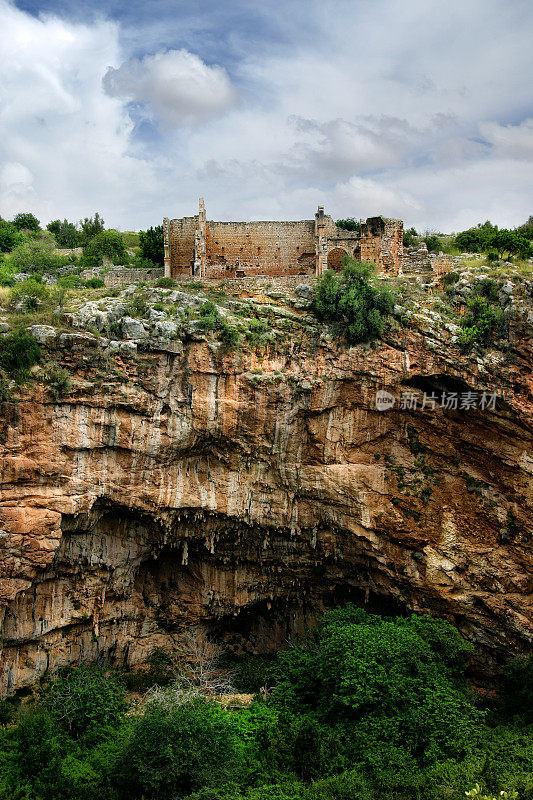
(206, 249)
(202, 248)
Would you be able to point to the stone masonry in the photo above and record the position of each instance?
(206, 249)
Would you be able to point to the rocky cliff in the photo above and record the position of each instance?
(246, 488)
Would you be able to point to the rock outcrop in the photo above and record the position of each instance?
(246, 489)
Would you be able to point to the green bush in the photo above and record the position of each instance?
(18, 353)
(37, 255)
(10, 236)
(410, 237)
(210, 319)
(451, 278)
(166, 283)
(65, 233)
(517, 683)
(151, 245)
(481, 324)
(32, 291)
(350, 299)
(58, 381)
(68, 282)
(349, 224)
(172, 752)
(83, 698)
(6, 278)
(27, 222)
(94, 283)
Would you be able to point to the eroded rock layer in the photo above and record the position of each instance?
(247, 489)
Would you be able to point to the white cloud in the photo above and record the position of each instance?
(65, 147)
(513, 141)
(366, 108)
(179, 87)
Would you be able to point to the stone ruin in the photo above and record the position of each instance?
(202, 248)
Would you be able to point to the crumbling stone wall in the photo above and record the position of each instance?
(218, 250)
(258, 248)
(417, 261)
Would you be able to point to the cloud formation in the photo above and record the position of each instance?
(365, 108)
(177, 85)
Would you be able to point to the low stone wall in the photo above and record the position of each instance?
(121, 276)
(254, 282)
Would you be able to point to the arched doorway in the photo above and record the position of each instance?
(336, 258)
(357, 253)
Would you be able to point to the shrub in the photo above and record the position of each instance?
(351, 299)
(36, 255)
(58, 381)
(68, 282)
(94, 283)
(138, 306)
(451, 278)
(410, 237)
(349, 224)
(65, 233)
(26, 222)
(487, 287)
(32, 292)
(6, 278)
(481, 324)
(83, 698)
(9, 236)
(18, 353)
(166, 283)
(197, 746)
(517, 685)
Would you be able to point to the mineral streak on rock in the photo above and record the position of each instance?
(196, 489)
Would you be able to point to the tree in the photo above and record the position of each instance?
(410, 237)
(10, 236)
(433, 243)
(84, 697)
(394, 682)
(151, 242)
(172, 752)
(106, 243)
(66, 234)
(351, 299)
(91, 227)
(349, 224)
(27, 222)
(36, 255)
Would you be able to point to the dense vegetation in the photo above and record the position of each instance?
(350, 300)
(363, 707)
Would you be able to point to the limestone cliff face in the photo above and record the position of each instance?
(247, 489)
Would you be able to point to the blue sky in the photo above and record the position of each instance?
(417, 109)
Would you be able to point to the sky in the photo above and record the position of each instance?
(417, 109)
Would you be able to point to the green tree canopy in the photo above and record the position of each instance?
(66, 233)
(106, 243)
(91, 227)
(36, 255)
(27, 222)
(151, 242)
(10, 236)
(398, 681)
